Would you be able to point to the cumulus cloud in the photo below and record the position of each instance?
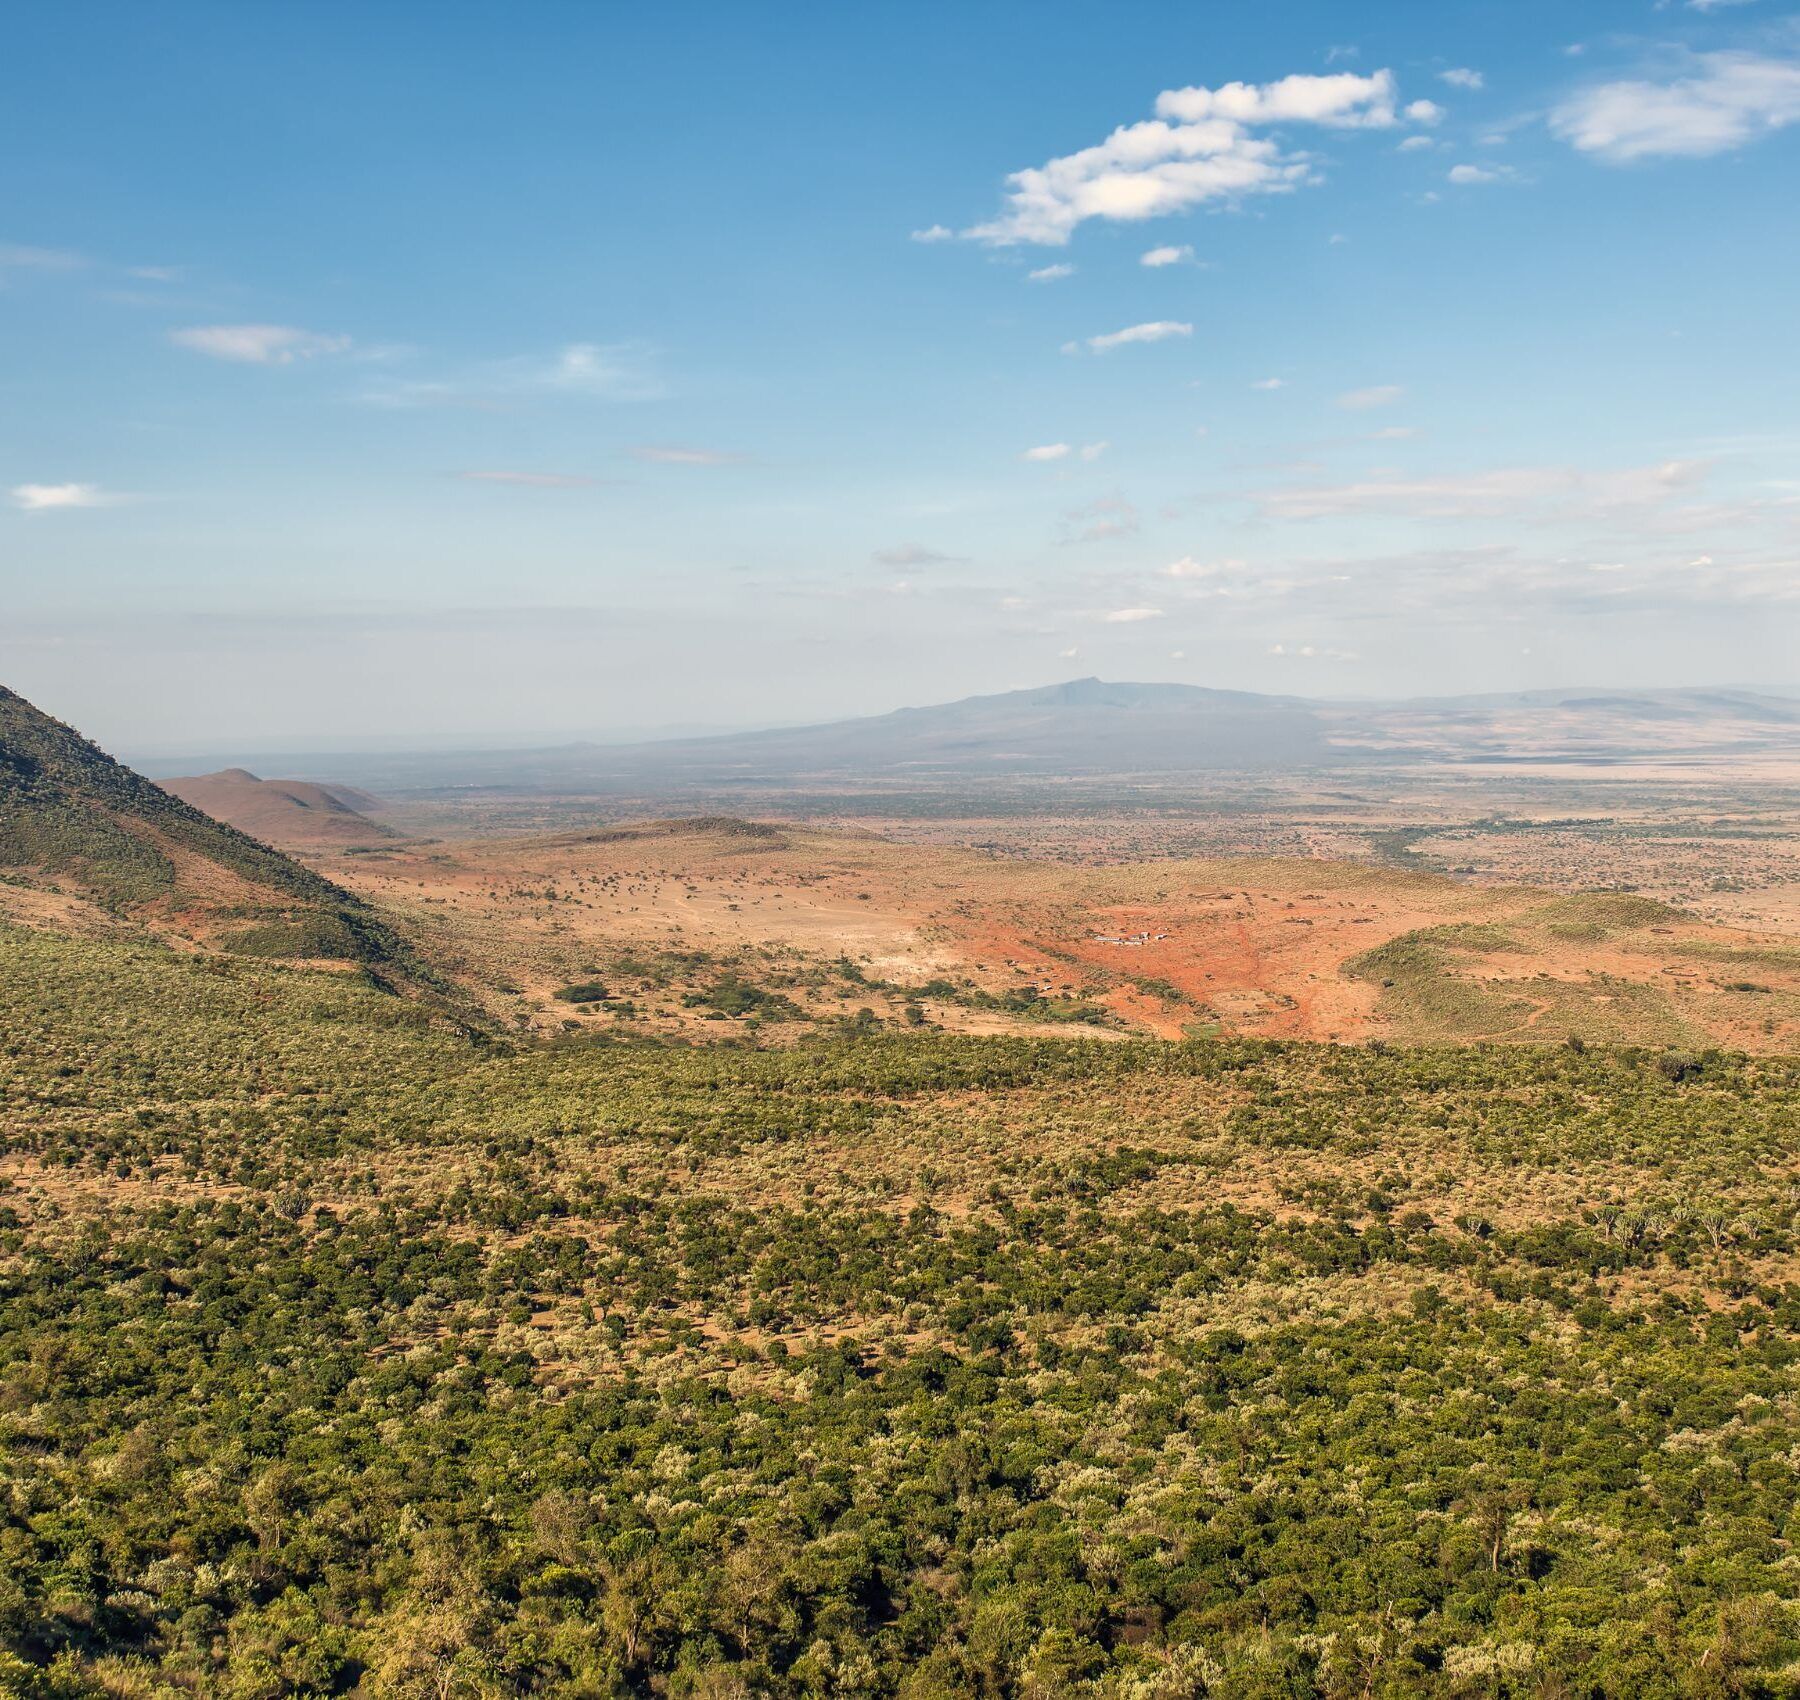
(1461, 77)
(1128, 616)
(1425, 112)
(1376, 395)
(1201, 146)
(933, 233)
(1047, 451)
(1157, 330)
(1049, 274)
(1414, 144)
(258, 345)
(50, 498)
(1467, 174)
(1166, 256)
(1730, 99)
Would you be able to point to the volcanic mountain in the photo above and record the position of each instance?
(293, 813)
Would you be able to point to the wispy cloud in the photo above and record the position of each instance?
(258, 345)
(599, 371)
(1188, 567)
(19, 257)
(532, 480)
(1049, 274)
(934, 233)
(1047, 451)
(1100, 521)
(52, 498)
(680, 454)
(1156, 330)
(1466, 175)
(1508, 492)
(1170, 255)
(1461, 77)
(1201, 146)
(1269, 384)
(1728, 100)
(914, 555)
(1128, 616)
(1376, 395)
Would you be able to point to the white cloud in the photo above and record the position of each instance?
(49, 498)
(1200, 147)
(1425, 112)
(1166, 256)
(1376, 395)
(1046, 451)
(1394, 433)
(1129, 616)
(1731, 99)
(531, 480)
(154, 274)
(1461, 77)
(1269, 384)
(1413, 144)
(258, 345)
(1093, 451)
(1068, 654)
(1158, 330)
(1311, 652)
(1466, 174)
(678, 454)
(1049, 274)
(1189, 568)
(933, 233)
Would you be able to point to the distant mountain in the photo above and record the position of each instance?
(1093, 730)
(76, 825)
(293, 813)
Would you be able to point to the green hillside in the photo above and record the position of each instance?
(72, 816)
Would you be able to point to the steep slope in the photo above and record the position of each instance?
(77, 824)
(293, 813)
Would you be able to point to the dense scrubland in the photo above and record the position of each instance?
(343, 1353)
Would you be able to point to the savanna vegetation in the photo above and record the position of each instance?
(344, 1353)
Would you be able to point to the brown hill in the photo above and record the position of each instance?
(293, 813)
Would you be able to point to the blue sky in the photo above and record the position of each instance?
(387, 373)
